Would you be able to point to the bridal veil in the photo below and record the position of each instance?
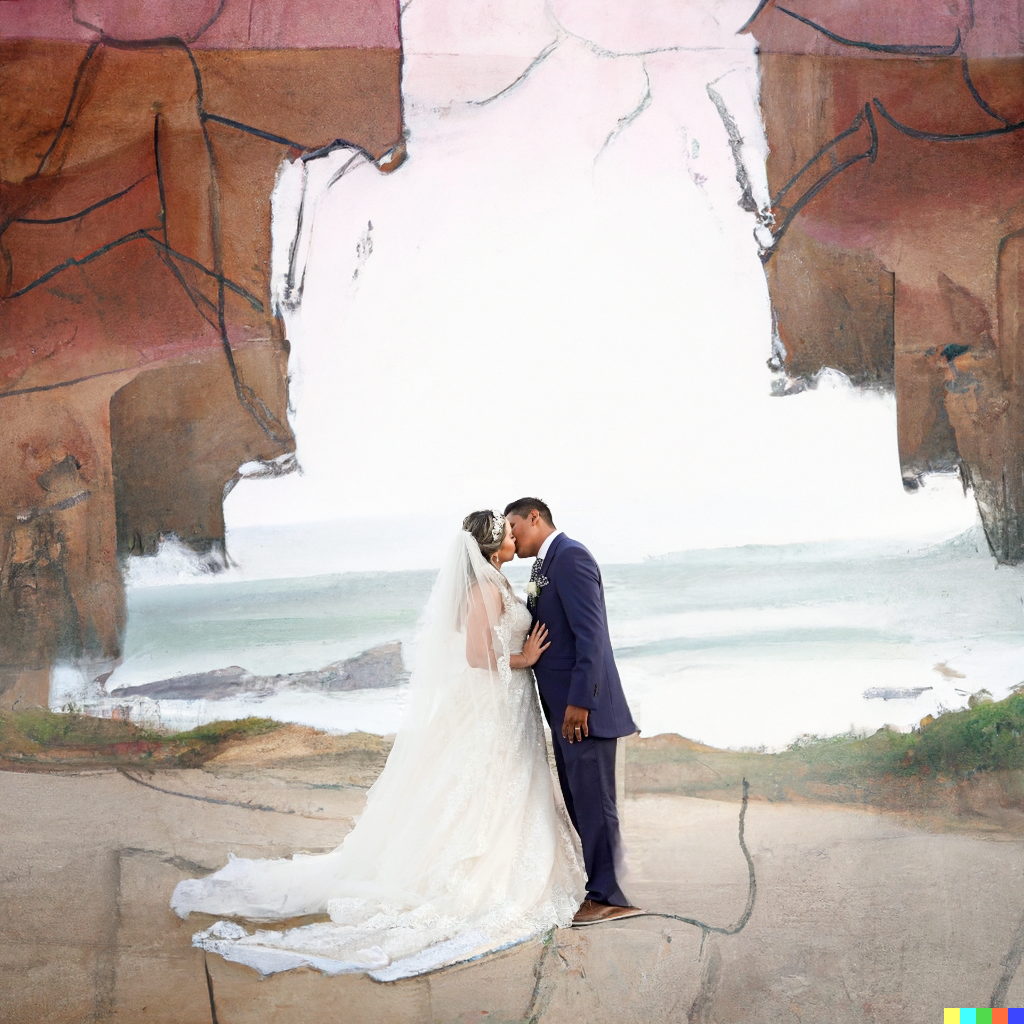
(464, 845)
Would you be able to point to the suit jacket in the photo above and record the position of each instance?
(578, 668)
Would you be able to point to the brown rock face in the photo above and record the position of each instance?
(896, 137)
(141, 360)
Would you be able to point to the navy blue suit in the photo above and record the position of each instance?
(578, 668)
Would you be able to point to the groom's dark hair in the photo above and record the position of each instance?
(524, 506)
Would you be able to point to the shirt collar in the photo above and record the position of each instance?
(546, 546)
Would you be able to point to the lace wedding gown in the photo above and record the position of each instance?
(464, 846)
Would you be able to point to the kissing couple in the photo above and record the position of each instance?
(465, 845)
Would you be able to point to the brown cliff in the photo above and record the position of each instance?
(141, 359)
(896, 135)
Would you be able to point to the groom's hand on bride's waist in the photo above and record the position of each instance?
(574, 725)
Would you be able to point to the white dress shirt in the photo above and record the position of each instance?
(542, 554)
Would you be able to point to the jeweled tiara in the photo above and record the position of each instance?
(497, 525)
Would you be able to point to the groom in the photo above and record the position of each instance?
(581, 694)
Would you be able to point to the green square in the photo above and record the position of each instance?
(983, 1016)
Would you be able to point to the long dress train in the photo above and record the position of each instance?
(464, 846)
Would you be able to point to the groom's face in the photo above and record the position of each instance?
(528, 533)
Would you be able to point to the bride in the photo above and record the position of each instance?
(464, 846)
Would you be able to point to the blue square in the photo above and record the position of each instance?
(1015, 1015)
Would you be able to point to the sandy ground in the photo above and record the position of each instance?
(858, 916)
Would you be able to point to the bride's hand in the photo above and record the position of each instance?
(536, 644)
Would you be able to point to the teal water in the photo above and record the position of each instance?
(736, 647)
(278, 625)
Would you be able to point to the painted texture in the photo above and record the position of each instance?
(235, 25)
(897, 248)
(859, 917)
(141, 359)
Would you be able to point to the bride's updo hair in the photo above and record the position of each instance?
(480, 526)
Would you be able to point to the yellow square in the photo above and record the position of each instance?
(951, 1015)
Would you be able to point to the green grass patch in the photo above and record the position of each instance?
(218, 732)
(37, 735)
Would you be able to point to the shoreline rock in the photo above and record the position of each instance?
(376, 668)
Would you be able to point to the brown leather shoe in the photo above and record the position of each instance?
(593, 912)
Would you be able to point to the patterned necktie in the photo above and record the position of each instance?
(538, 564)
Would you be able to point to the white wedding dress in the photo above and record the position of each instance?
(464, 846)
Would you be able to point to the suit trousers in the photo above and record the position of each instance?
(586, 773)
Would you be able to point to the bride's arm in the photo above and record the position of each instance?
(485, 609)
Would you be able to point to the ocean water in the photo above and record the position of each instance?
(739, 647)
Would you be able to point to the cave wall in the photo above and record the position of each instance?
(896, 136)
(141, 359)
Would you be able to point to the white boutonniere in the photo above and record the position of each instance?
(533, 589)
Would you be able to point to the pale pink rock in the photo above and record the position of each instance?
(242, 24)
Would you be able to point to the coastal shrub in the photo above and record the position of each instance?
(986, 737)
